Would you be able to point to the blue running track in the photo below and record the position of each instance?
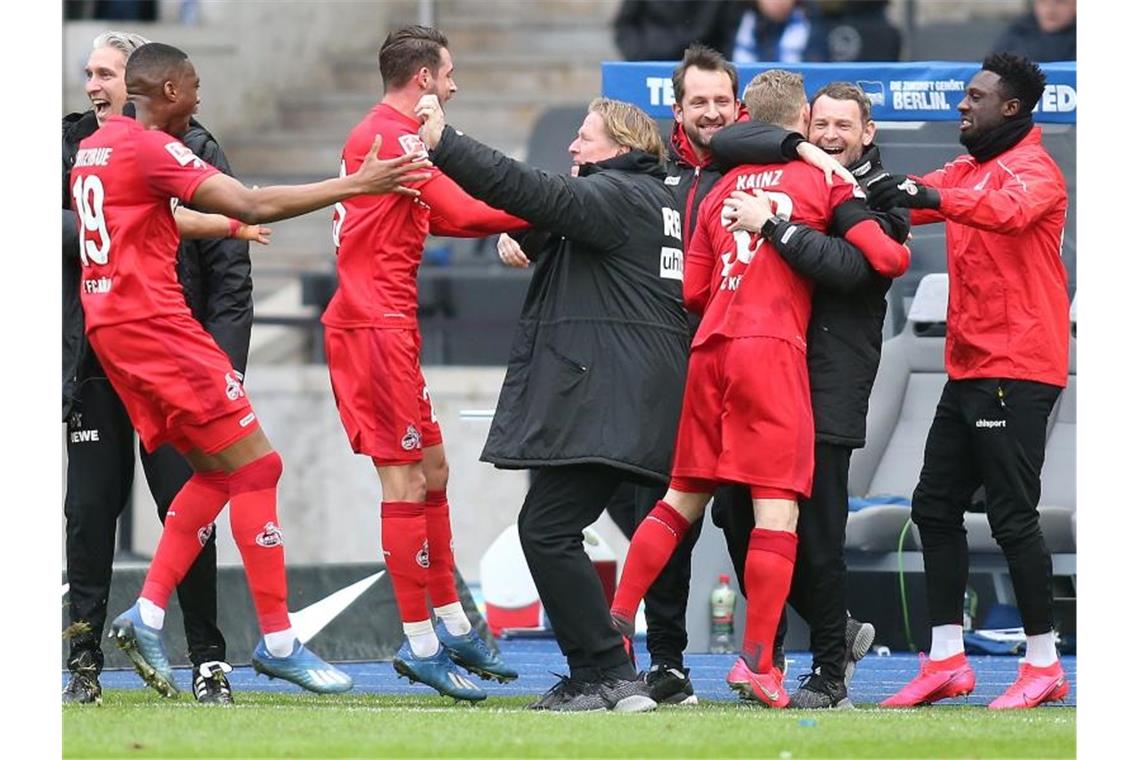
(875, 679)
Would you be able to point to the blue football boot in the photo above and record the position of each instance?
(438, 672)
(303, 668)
(143, 645)
(470, 652)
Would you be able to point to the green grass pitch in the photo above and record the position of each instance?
(138, 723)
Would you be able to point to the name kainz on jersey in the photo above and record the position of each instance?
(93, 157)
(100, 285)
(759, 179)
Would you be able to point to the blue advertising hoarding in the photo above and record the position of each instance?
(915, 91)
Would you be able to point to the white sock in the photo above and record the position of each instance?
(421, 637)
(151, 613)
(946, 641)
(280, 643)
(454, 618)
(1040, 650)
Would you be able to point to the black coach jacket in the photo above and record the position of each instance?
(597, 365)
(215, 274)
(845, 335)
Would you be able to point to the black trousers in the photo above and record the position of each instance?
(819, 582)
(100, 471)
(560, 503)
(667, 600)
(987, 433)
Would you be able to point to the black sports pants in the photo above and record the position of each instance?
(667, 600)
(819, 583)
(563, 500)
(991, 433)
(100, 471)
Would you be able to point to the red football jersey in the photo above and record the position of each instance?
(124, 186)
(379, 239)
(751, 290)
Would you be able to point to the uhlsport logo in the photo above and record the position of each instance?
(990, 424)
(422, 556)
(204, 533)
(411, 439)
(234, 389)
(269, 536)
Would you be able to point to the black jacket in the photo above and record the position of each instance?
(1024, 37)
(845, 335)
(215, 274)
(597, 367)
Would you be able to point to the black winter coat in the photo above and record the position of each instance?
(845, 335)
(597, 367)
(215, 274)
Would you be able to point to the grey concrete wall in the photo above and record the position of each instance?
(330, 498)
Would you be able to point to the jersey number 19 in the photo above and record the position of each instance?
(88, 194)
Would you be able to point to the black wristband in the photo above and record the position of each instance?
(769, 227)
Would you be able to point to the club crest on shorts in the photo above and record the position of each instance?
(422, 558)
(269, 536)
(411, 439)
(234, 389)
(204, 533)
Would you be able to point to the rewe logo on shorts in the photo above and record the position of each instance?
(269, 536)
(422, 558)
(411, 439)
(234, 389)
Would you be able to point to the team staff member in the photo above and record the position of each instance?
(595, 376)
(737, 426)
(1007, 358)
(844, 344)
(215, 278)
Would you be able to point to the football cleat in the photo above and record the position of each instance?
(438, 672)
(1034, 686)
(470, 652)
(143, 646)
(766, 688)
(941, 679)
(83, 689)
(303, 668)
(737, 680)
(211, 687)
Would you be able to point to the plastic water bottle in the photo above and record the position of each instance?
(722, 605)
(969, 609)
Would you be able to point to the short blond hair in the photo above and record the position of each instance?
(776, 96)
(629, 126)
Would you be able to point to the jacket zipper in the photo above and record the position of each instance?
(689, 207)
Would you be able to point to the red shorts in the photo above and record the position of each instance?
(380, 393)
(178, 387)
(746, 416)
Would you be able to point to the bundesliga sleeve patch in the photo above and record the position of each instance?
(183, 155)
(412, 144)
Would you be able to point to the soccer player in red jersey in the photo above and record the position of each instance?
(746, 415)
(177, 385)
(372, 342)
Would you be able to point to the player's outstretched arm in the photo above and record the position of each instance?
(225, 195)
(193, 225)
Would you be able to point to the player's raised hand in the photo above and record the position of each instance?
(511, 252)
(432, 121)
(255, 233)
(392, 175)
(824, 161)
(747, 211)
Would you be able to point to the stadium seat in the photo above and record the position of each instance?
(909, 383)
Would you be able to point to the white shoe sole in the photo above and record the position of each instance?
(634, 704)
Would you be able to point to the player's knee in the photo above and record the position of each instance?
(259, 475)
(436, 475)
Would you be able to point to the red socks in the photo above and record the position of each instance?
(253, 520)
(767, 577)
(404, 540)
(652, 545)
(441, 556)
(189, 523)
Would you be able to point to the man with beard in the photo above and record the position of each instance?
(1007, 358)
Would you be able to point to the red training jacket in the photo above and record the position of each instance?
(1008, 315)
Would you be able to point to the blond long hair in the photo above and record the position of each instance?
(629, 126)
